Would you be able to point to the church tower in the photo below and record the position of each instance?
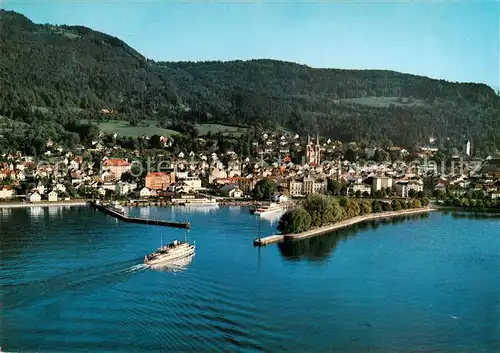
(310, 152)
(317, 150)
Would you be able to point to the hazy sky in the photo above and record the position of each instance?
(457, 41)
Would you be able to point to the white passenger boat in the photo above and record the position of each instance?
(115, 207)
(191, 200)
(174, 265)
(173, 251)
(268, 209)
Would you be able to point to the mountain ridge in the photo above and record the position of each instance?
(66, 67)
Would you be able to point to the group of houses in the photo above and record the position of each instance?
(189, 173)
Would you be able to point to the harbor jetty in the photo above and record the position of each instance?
(275, 238)
(125, 218)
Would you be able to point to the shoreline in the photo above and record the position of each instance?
(43, 204)
(333, 227)
(469, 209)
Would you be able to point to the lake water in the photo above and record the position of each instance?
(71, 280)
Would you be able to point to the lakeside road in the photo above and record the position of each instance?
(333, 227)
(43, 204)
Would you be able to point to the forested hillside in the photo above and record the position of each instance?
(51, 76)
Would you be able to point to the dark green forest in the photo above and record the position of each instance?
(54, 77)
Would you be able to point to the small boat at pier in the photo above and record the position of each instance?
(115, 207)
(267, 209)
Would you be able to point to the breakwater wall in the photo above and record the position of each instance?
(128, 219)
(275, 238)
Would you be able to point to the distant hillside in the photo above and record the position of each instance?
(68, 67)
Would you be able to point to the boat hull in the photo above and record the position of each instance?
(263, 213)
(168, 259)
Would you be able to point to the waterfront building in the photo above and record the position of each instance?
(306, 186)
(34, 197)
(122, 188)
(145, 192)
(194, 183)
(159, 180)
(6, 192)
(52, 196)
(231, 190)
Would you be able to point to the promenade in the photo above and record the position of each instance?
(43, 204)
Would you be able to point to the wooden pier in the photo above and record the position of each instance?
(125, 218)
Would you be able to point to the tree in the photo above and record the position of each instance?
(351, 155)
(321, 209)
(154, 142)
(365, 207)
(294, 221)
(412, 193)
(352, 209)
(358, 193)
(439, 194)
(376, 206)
(396, 205)
(334, 187)
(344, 201)
(386, 206)
(127, 177)
(264, 189)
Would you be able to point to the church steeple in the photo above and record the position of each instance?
(317, 150)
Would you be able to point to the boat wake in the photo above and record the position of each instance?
(136, 268)
(21, 294)
(178, 265)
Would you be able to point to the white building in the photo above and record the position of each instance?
(467, 148)
(52, 196)
(280, 198)
(403, 187)
(361, 188)
(380, 183)
(307, 186)
(122, 188)
(35, 197)
(60, 187)
(40, 188)
(6, 192)
(101, 191)
(193, 182)
(145, 192)
(232, 191)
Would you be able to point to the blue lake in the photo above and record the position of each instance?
(71, 280)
